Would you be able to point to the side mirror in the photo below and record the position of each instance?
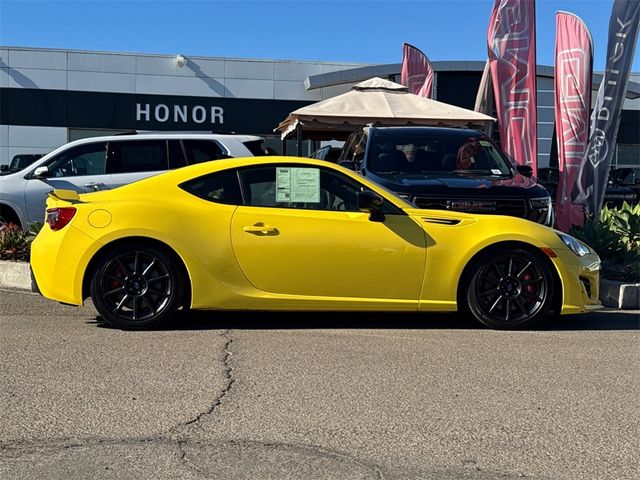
(525, 170)
(348, 164)
(41, 172)
(371, 203)
(4, 168)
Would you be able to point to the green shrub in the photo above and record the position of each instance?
(15, 243)
(616, 240)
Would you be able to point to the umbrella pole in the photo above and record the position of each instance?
(299, 139)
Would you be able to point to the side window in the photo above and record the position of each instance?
(354, 148)
(219, 187)
(176, 155)
(199, 151)
(137, 156)
(83, 160)
(297, 186)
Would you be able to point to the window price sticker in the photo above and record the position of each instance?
(295, 184)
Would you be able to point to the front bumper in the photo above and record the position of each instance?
(580, 278)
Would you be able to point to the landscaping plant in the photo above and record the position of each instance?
(616, 240)
(15, 243)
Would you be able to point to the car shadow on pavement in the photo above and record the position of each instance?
(262, 320)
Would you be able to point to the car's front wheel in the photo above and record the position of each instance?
(510, 289)
(137, 286)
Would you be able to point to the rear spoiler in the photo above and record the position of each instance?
(66, 195)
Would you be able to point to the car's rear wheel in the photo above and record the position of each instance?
(137, 286)
(510, 289)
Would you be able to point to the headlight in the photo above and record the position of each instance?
(541, 210)
(542, 202)
(574, 245)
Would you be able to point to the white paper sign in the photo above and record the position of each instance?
(294, 184)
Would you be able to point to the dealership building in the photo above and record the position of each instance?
(49, 97)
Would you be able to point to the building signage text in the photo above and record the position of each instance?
(147, 112)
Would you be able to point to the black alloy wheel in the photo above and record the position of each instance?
(511, 289)
(137, 287)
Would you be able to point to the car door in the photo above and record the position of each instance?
(80, 168)
(300, 232)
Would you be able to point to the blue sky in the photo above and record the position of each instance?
(347, 30)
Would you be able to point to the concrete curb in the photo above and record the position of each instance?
(620, 295)
(15, 275)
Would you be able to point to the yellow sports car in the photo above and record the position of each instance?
(284, 233)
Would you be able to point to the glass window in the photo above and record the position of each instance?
(257, 148)
(176, 155)
(299, 186)
(221, 187)
(424, 153)
(199, 151)
(78, 161)
(354, 148)
(137, 156)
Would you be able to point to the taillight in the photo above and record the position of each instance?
(57, 218)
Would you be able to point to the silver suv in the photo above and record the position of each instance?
(98, 163)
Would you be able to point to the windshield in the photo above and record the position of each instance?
(436, 154)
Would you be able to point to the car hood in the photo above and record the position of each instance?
(459, 184)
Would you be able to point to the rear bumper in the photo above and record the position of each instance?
(58, 263)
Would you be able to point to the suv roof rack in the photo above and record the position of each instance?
(128, 132)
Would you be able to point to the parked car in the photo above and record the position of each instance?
(448, 169)
(99, 163)
(286, 233)
(19, 162)
(623, 186)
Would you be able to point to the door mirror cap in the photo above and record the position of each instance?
(371, 203)
(41, 172)
(524, 170)
(4, 168)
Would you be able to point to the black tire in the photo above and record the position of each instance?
(137, 286)
(510, 289)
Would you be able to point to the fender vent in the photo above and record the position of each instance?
(441, 221)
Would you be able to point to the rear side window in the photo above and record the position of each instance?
(137, 156)
(176, 155)
(199, 151)
(256, 148)
(219, 187)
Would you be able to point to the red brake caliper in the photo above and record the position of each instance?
(528, 288)
(116, 283)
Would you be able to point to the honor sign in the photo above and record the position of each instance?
(162, 113)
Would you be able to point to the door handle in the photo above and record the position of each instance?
(95, 186)
(261, 229)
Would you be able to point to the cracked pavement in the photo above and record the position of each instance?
(315, 396)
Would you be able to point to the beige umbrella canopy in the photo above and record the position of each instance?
(375, 101)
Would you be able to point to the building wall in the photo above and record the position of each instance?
(54, 96)
(261, 84)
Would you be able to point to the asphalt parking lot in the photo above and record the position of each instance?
(315, 396)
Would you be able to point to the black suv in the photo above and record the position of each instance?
(447, 169)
